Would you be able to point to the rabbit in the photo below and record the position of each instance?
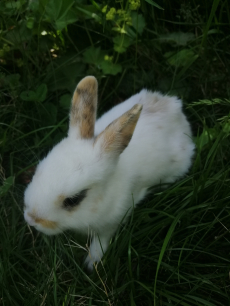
(95, 176)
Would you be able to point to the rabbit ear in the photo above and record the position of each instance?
(116, 137)
(83, 109)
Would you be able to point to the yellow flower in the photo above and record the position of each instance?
(128, 20)
(108, 58)
(122, 30)
(104, 9)
(134, 4)
(121, 12)
(111, 13)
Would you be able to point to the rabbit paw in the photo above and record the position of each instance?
(95, 253)
(90, 263)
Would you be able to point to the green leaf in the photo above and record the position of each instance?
(33, 6)
(119, 49)
(65, 7)
(59, 11)
(41, 92)
(182, 58)
(28, 95)
(226, 127)
(138, 22)
(214, 31)
(121, 43)
(88, 12)
(19, 34)
(154, 4)
(94, 56)
(39, 95)
(51, 8)
(6, 185)
(13, 4)
(65, 101)
(64, 20)
(179, 38)
(110, 68)
(30, 22)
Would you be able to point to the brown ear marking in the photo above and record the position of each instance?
(83, 109)
(118, 134)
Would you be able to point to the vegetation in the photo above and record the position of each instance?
(175, 248)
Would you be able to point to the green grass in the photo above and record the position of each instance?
(175, 248)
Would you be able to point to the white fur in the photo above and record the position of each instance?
(160, 151)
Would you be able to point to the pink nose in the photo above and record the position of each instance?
(29, 219)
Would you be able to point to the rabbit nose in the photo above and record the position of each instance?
(29, 219)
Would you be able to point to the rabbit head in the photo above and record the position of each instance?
(70, 180)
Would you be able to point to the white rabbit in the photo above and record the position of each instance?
(91, 179)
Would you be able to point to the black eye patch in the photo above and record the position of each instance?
(75, 200)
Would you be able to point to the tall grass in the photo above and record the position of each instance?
(175, 248)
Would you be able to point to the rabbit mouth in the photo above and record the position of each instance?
(38, 223)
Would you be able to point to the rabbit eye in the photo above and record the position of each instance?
(75, 200)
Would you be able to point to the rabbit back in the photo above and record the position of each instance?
(161, 147)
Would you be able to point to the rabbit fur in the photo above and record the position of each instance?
(110, 164)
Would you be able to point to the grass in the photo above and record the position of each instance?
(175, 248)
